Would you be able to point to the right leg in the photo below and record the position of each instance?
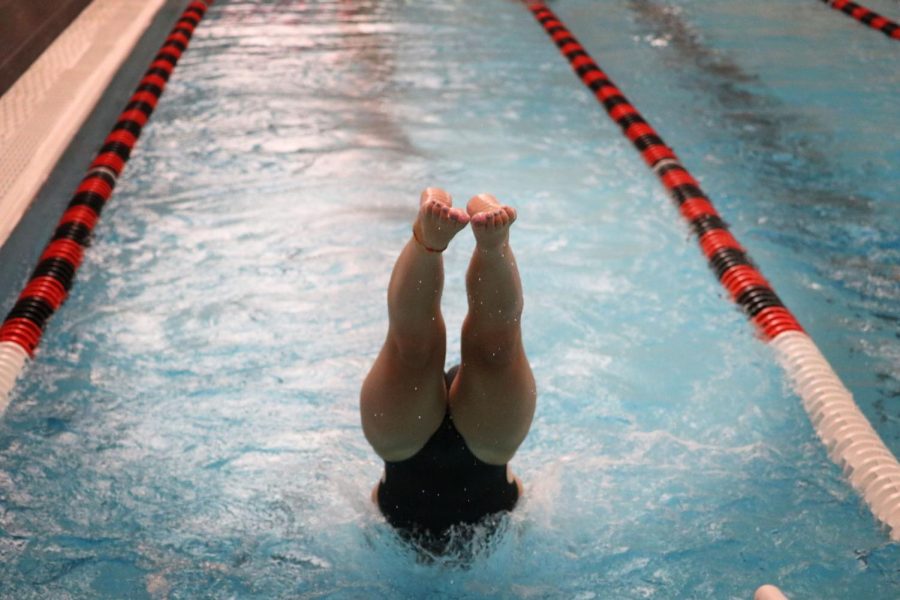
(404, 397)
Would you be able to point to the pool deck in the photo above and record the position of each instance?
(41, 113)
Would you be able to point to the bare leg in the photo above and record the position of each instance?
(493, 396)
(404, 398)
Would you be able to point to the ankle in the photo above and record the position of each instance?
(492, 247)
(421, 245)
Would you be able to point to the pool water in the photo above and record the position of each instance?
(190, 427)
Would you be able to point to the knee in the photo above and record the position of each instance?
(495, 350)
(418, 349)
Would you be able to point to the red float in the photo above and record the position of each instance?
(861, 13)
(95, 185)
(46, 288)
(697, 207)
(80, 214)
(715, 239)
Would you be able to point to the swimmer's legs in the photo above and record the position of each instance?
(492, 399)
(404, 397)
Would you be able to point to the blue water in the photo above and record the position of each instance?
(190, 427)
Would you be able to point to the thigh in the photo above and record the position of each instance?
(403, 401)
(492, 404)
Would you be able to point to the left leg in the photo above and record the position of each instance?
(493, 397)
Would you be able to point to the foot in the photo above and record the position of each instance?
(490, 220)
(437, 221)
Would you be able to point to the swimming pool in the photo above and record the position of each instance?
(191, 425)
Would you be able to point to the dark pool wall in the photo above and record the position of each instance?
(27, 27)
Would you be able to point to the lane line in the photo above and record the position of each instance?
(866, 17)
(52, 278)
(851, 440)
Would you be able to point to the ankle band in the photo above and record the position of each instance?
(428, 248)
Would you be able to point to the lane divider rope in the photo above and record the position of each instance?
(866, 17)
(51, 280)
(849, 437)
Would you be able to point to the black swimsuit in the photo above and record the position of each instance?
(443, 484)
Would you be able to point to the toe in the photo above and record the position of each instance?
(457, 216)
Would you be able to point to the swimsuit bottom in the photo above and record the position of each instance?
(443, 485)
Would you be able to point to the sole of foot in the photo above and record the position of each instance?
(437, 221)
(490, 220)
